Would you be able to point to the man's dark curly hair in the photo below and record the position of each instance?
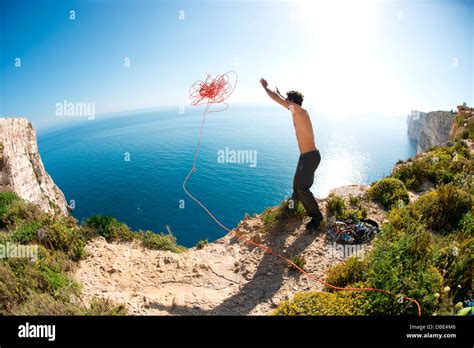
(295, 97)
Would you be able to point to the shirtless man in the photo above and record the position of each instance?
(309, 157)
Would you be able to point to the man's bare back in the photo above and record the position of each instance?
(303, 128)
(301, 119)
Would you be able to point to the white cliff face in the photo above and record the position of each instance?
(430, 129)
(21, 169)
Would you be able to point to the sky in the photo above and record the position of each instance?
(343, 55)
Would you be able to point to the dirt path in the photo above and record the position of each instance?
(224, 278)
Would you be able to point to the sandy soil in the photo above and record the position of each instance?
(226, 277)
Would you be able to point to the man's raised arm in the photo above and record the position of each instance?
(274, 95)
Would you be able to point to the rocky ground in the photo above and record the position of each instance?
(226, 277)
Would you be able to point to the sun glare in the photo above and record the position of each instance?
(344, 70)
(339, 25)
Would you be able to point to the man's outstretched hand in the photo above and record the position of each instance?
(274, 95)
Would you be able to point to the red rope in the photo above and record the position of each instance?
(216, 91)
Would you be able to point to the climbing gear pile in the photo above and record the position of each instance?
(349, 232)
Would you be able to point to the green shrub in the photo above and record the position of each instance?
(105, 307)
(45, 304)
(354, 214)
(292, 209)
(26, 232)
(87, 232)
(403, 266)
(273, 217)
(9, 296)
(50, 272)
(401, 220)
(270, 219)
(454, 259)
(298, 260)
(335, 205)
(49, 275)
(202, 243)
(467, 223)
(5, 237)
(443, 209)
(58, 236)
(102, 224)
(441, 165)
(354, 200)
(53, 280)
(347, 273)
(322, 303)
(44, 287)
(122, 233)
(412, 174)
(389, 192)
(464, 181)
(109, 228)
(20, 212)
(6, 200)
(26, 276)
(160, 241)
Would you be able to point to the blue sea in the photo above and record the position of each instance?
(132, 166)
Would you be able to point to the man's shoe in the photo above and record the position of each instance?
(314, 224)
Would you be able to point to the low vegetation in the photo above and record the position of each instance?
(109, 228)
(442, 209)
(160, 241)
(463, 124)
(114, 231)
(202, 243)
(342, 209)
(298, 260)
(42, 284)
(322, 303)
(442, 165)
(389, 192)
(348, 272)
(274, 217)
(424, 250)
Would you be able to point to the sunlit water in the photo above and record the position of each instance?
(90, 163)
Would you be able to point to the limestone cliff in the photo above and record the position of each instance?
(21, 169)
(430, 129)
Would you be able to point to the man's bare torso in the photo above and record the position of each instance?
(303, 128)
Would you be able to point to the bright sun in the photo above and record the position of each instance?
(345, 71)
(339, 25)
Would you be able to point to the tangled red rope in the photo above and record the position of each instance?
(216, 91)
(212, 91)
